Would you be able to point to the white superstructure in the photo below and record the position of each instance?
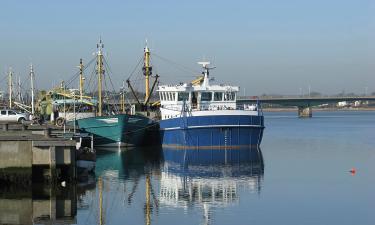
(201, 100)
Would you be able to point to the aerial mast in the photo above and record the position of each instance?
(32, 88)
(81, 79)
(19, 95)
(10, 85)
(123, 97)
(206, 72)
(147, 71)
(100, 73)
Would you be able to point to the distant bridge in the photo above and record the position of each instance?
(304, 103)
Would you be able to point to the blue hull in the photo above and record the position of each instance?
(219, 132)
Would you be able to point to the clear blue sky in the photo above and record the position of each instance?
(263, 46)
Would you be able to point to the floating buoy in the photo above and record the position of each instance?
(353, 171)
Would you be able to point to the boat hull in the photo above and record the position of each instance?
(116, 131)
(217, 131)
(85, 166)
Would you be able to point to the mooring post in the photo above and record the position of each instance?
(47, 132)
(5, 127)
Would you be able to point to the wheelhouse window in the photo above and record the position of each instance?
(218, 96)
(206, 96)
(169, 96)
(229, 96)
(183, 96)
(12, 113)
(3, 112)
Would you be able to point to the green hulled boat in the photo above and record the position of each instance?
(120, 130)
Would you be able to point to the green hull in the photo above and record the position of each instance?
(118, 130)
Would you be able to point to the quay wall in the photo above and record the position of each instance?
(21, 155)
(15, 154)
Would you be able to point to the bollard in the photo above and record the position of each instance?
(5, 127)
(47, 132)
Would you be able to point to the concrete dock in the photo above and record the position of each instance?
(39, 204)
(28, 154)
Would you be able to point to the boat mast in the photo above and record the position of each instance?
(81, 79)
(147, 71)
(206, 72)
(10, 85)
(101, 219)
(100, 72)
(123, 97)
(148, 200)
(19, 96)
(32, 88)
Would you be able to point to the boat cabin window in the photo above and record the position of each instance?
(194, 99)
(183, 96)
(3, 112)
(12, 113)
(206, 96)
(218, 96)
(229, 96)
(163, 96)
(169, 96)
(173, 96)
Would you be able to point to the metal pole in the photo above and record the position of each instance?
(10, 87)
(100, 73)
(74, 112)
(81, 78)
(147, 71)
(32, 88)
(64, 107)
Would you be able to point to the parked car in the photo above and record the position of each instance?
(13, 116)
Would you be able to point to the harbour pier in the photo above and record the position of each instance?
(28, 154)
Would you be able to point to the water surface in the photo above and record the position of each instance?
(299, 176)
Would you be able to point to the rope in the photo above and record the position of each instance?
(70, 80)
(135, 68)
(187, 69)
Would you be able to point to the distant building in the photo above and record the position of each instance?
(342, 104)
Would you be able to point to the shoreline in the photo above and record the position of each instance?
(319, 109)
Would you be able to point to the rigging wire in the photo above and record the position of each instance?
(71, 79)
(106, 65)
(187, 69)
(135, 68)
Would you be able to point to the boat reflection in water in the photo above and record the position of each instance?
(41, 204)
(209, 178)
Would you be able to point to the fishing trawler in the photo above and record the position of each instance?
(113, 130)
(207, 116)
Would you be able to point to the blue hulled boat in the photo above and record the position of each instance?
(207, 116)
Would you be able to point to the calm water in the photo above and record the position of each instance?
(300, 176)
